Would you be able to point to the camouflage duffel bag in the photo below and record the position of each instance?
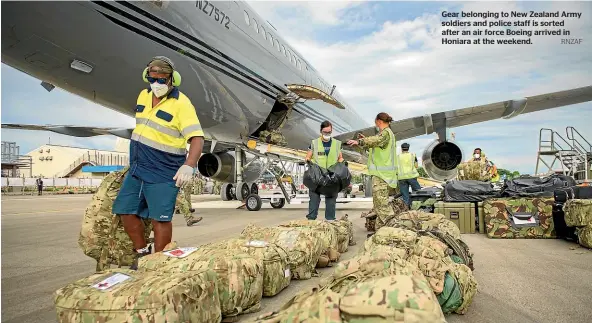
(519, 217)
(378, 262)
(122, 295)
(585, 236)
(578, 213)
(326, 231)
(240, 276)
(345, 233)
(102, 236)
(309, 306)
(276, 262)
(396, 298)
(304, 246)
(400, 240)
(453, 283)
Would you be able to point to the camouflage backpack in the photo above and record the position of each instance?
(240, 276)
(303, 245)
(102, 236)
(326, 231)
(276, 263)
(122, 295)
(395, 298)
(578, 212)
(474, 170)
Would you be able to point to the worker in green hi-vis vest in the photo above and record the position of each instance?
(382, 165)
(325, 152)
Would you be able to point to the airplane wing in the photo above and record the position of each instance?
(439, 122)
(403, 129)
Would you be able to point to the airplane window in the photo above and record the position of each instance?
(255, 25)
(247, 19)
(263, 32)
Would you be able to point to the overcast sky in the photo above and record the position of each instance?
(383, 56)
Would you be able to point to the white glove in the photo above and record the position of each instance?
(183, 175)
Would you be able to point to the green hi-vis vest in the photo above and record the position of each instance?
(407, 168)
(383, 162)
(318, 153)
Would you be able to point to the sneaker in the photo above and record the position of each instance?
(193, 221)
(192, 210)
(139, 255)
(369, 235)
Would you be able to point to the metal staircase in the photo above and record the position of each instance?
(95, 159)
(573, 156)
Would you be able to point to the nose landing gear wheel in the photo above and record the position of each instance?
(253, 202)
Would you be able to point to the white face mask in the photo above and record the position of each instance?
(326, 137)
(159, 89)
(477, 155)
(377, 129)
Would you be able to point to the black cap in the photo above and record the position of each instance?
(405, 146)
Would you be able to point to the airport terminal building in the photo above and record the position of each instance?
(65, 161)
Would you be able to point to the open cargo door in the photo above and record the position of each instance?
(313, 93)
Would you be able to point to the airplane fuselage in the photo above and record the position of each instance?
(230, 71)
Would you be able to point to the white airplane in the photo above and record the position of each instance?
(241, 75)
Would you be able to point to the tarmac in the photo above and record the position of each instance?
(519, 280)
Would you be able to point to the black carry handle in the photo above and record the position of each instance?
(521, 215)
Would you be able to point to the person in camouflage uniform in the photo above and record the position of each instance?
(198, 186)
(217, 187)
(380, 188)
(183, 205)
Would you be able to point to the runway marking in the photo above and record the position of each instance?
(42, 198)
(41, 212)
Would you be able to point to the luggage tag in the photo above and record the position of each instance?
(180, 252)
(256, 244)
(111, 281)
(287, 273)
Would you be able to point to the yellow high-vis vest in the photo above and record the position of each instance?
(318, 153)
(407, 168)
(168, 126)
(383, 162)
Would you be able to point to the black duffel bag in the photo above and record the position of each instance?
(574, 192)
(468, 191)
(529, 186)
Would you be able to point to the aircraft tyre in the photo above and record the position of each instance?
(254, 188)
(253, 202)
(279, 204)
(242, 191)
(226, 192)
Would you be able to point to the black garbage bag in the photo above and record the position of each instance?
(315, 177)
(339, 172)
(327, 182)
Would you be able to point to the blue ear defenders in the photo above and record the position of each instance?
(176, 75)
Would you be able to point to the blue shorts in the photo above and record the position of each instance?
(147, 200)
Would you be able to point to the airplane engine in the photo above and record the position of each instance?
(221, 167)
(441, 158)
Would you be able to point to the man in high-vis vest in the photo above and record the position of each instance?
(408, 173)
(382, 165)
(325, 152)
(166, 122)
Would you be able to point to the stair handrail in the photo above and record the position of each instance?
(88, 158)
(570, 135)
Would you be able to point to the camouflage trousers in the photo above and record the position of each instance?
(183, 202)
(380, 199)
